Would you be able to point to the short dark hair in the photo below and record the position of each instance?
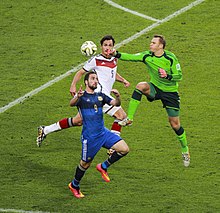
(88, 74)
(161, 39)
(107, 37)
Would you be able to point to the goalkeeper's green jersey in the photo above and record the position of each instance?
(167, 61)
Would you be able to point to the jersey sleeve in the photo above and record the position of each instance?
(78, 103)
(132, 57)
(90, 64)
(176, 71)
(106, 99)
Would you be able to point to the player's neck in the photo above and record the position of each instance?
(90, 91)
(106, 56)
(159, 53)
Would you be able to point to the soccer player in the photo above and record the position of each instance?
(94, 134)
(165, 73)
(106, 67)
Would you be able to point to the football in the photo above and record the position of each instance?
(88, 48)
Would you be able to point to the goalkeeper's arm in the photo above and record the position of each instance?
(130, 57)
(127, 56)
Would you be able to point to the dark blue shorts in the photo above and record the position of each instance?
(91, 146)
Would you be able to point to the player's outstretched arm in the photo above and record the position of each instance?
(76, 79)
(75, 99)
(128, 57)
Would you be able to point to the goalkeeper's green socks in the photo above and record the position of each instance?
(134, 103)
(181, 135)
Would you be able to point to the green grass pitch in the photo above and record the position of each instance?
(41, 40)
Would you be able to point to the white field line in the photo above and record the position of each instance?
(147, 29)
(130, 11)
(37, 90)
(20, 211)
(126, 41)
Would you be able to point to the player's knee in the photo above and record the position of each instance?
(77, 122)
(121, 147)
(85, 165)
(125, 150)
(122, 116)
(143, 87)
(174, 124)
(139, 86)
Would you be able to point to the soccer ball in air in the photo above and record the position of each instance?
(88, 48)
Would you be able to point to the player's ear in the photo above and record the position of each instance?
(161, 45)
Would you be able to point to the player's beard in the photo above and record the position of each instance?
(92, 87)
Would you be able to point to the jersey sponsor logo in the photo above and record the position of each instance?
(110, 64)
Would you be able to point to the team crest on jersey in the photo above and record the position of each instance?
(100, 98)
(178, 67)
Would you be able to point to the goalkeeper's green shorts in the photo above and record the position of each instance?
(170, 100)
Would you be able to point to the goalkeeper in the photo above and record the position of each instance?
(165, 73)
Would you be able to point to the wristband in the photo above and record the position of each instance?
(169, 77)
(117, 55)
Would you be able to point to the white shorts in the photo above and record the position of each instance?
(110, 110)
